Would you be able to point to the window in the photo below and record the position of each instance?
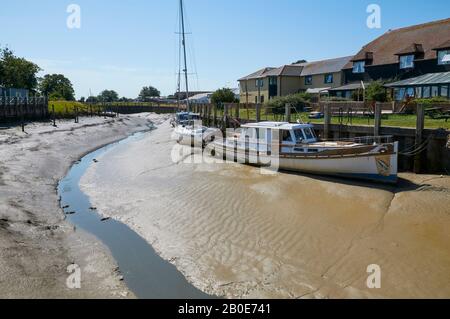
(444, 90)
(308, 80)
(418, 92)
(407, 61)
(444, 57)
(259, 83)
(359, 67)
(273, 80)
(262, 98)
(286, 135)
(299, 135)
(400, 94)
(426, 92)
(328, 78)
(308, 133)
(410, 92)
(434, 91)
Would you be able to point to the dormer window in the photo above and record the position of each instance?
(444, 57)
(359, 66)
(407, 61)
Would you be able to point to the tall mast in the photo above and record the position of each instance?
(184, 53)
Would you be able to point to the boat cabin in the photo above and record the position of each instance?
(291, 136)
(187, 118)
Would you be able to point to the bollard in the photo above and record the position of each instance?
(377, 125)
(420, 124)
(54, 115)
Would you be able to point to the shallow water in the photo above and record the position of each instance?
(145, 273)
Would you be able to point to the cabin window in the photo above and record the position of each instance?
(313, 150)
(301, 150)
(444, 57)
(328, 78)
(308, 133)
(359, 67)
(407, 61)
(299, 135)
(286, 136)
(308, 80)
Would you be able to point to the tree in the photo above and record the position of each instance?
(375, 92)
(57, 85)
(92, 99)
(17, 72)
(108, 96)
(82, 99)
(224, 95)
(148, 92)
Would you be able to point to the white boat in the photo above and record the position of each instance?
(295, 147)
(195, 136)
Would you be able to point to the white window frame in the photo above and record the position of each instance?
(359, 67)
(407, 61)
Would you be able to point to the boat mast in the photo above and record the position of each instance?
(183, 34)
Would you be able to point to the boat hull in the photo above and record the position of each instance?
(379, 167)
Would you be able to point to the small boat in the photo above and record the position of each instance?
(185, 118)
(295, 147)
(195, 136)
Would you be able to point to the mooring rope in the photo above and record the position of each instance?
(413, 150)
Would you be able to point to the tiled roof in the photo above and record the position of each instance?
(430, 36)
(301, 69)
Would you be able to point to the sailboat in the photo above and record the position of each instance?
(187, 125)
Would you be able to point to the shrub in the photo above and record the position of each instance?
(299, 101)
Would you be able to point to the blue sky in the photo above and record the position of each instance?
(124, 45)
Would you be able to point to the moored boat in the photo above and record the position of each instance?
(295, 147)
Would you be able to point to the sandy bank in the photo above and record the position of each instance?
(234, 232)
(36, 244)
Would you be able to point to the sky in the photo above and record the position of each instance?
(125, 45)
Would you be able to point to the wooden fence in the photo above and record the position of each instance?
(16, 108)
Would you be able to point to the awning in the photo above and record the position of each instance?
(350, 87)
(318, 90)
(426, 79)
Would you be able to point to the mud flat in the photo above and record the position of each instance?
(37, 244)
(236, 233)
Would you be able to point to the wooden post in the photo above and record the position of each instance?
(22, 121)
(215, 114)
(258, 112)
(225, 119)
(238, 115)
(377, 124)
(287, 116)
(54, 115)
(327, 120)
(420, 124)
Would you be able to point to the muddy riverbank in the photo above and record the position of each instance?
(37, 244)
(234, 232)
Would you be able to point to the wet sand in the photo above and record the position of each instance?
(236, 233)
(37, 244)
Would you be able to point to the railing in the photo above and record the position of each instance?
(367, 140)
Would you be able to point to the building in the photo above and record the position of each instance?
(424, 86)
(401, 54)
(202, 98)
(313, 77)
(12, 92)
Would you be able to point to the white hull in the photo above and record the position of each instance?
(376, 167)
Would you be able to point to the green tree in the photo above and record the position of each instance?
(57, 85)
(375, 92)
(148, 92)
(17, 72)
(224, 95)
(108, 96)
